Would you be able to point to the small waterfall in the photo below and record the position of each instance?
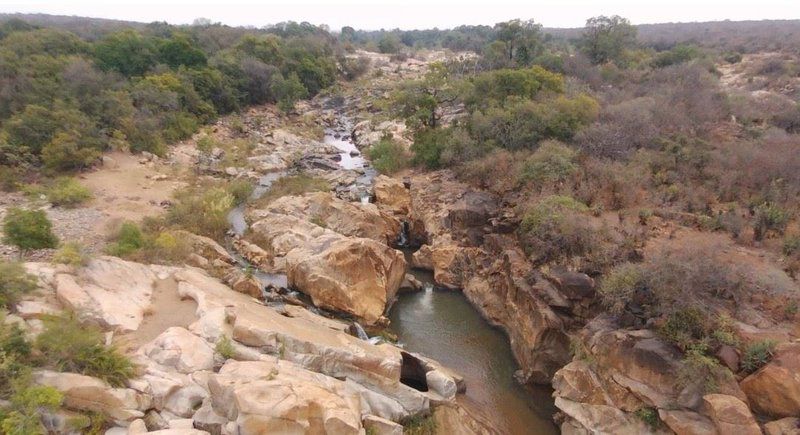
(360, 332)
(402, 238)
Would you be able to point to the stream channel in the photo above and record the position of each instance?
(443, 325)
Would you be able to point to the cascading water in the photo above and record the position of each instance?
(402, 237)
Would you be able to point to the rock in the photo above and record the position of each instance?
(35, 309)
(687, 422)
(357, 276)
(784, 426)
(179, 432)
(579, 383)
(410, 282)
(206, 419)
(601, 419)
(99, 287)
(244, 283)
(154, 421)
(381, 426)
(729, 356)
(730, 415)
(573, 285)
(392, 195)
(206, 247)
(442, 384)
(423, 258)
(774, 389)
(346, 218)
(178, 348)
(279, 397)
(217, 153)
(137, 427)
(85, 393)
(253, 254)
(231, 171)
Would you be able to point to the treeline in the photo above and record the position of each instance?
(64, 99)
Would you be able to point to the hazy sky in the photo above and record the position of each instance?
(411, 14)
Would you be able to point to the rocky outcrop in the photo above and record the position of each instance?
(730, 415)
(774, 390)
(392, 195)
(357, 276)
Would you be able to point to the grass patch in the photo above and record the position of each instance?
(292, 186)
(67, 192)
(224, 347)
(202, 210)
(419, 425)
(757, 355)
(14, 282)
(71, 254)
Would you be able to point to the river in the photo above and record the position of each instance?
(443, 325)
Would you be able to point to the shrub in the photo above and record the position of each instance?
(685, 328)
(67, 345)
(28, 229)
(649, 416)
(620, 285)
(224, 347)
(67, 192)
(27, 406)
(241, 190)
(700, 369)
(128, 239)
(15, 352)
(419, 425)
(202, 211)
(67, 152)
(72, 254)
(14, 282)
(554, 228)
(428, 147)
(553, 162)
(791, 245)
(757, 355)
(388, 156)
(769, 217)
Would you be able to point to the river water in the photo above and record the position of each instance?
(443, 325)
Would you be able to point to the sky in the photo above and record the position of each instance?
(410, 14)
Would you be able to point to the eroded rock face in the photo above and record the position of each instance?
(774, 390)
(392, 195)
(357, 276)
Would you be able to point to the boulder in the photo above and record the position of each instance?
(381, 426)
(687, 422)
(98, 288)
(280, 397)
(423, 258)
(392, 195)
(784, 426)
(356, 276)
(573, 285)
(85, 393)
(602, 419)
(180, 349)
(730, 415)
(774, 389)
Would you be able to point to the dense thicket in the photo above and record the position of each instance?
(65, 98)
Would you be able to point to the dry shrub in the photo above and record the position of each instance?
(497, 171)
(621, 130)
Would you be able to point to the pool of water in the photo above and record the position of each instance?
(443, 325)
(346, 146)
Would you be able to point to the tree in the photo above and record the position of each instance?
(68, 151)
(288, 91)
(28, 229)
(127, 52)
(605, 39)
(179, 51)
(521, 38)
(418, 101)
(389, 43)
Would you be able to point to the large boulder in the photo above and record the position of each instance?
(280, 397)
(180, 349)
(730, 415)
(85, 393)
(392, 195)
(97, 289)
(351, 219)
(774, 390)
(784, 426)
(358, 276)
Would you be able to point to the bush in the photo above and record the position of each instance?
(202, 211)
(699, 368)
(67, 192)
(686, 327)
(757, 355)
(128, 239)
(555, 228)
(388, 156)
(241, 190)
(620, 285)
(553, 162)
(67, 345)
(27, 408)
(14, 282)
(15, 354)
(649, 416)
(419, 425)
(224, 347)
(428, 146)
(28, 229)
(67, 152)
(769, 217)
(791, 245)
(72, 254)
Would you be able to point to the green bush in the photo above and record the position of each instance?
(15, 352)
(67, 345)
(419, 425)
(649, 416)
(698, 368)
(28, 229)
(128, 239)
(791, 245)
(202, 211)
(14, 282)
(686, 327)
(67, 192)
(428, 146)
(556, 227)
(224, 347)
(769, 217)
(27, 406)
(758, 355)
(72, 254)
(620, 285)
(553, 162)
(387, 156)
(241, 190)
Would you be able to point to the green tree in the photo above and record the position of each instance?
(289, 91)
(389, 43)
(605, 39)
(127, 52)
(522, 40)
(28, 229)
(418, 101)
(179, 51)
